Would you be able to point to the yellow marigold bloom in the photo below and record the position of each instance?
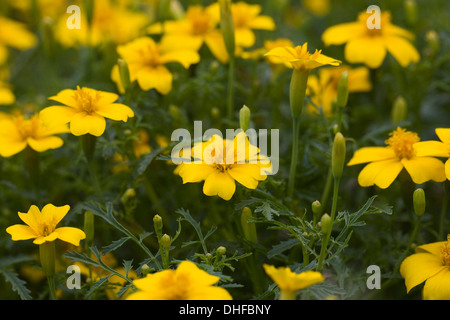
(246, 18)
(147, 61)
(15, 35)
(437, 148)
(221, 162)
(369, 46)
(187, 282)
(430, 264)
(290, 282)
(17, 132)
(111, 22)
(300, 59)
(41, 226)
(7, 96)
(323, 88)
(85, 109)
(197, 27)
(386, 163)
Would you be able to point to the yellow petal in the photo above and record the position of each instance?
(83, 123)
(158, 78)
(56, 116)
(66, 97)
(53, 214)
(262, 22)
(6, 96)
(216, 44)
(433, 248)
(115, 111)
(443, 134)
(21, 232)
(189, 270)
(45, 143)
(438, 286)
(342, 33)
(32, 218)
(431, 149)
(209, 293)
(247, 174)
(70, 235)
(447, 169)
(244, 37)
(419, 267)
(184, 57)
(192, 172)
(10, 148)
(380, 173)
(370, 154)
(423, 169)
(402, 50)
(220, 184)
(368, 50)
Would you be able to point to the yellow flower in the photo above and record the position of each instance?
(46, 8)
(437, 148)
(430, 264)
(317, 7)
(146, 61)
(111, 22)
(222, 162)
(187, 282)
(323, 88)
(15, 35)
(197, 27)
(41, 226)
(85, 109)
(369, 46)
(386, 163)
(6, 94)
(299, 58)
(142, 145)
(16, 133)
(290, 282)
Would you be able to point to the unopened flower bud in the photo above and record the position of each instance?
(419, 202)
(124, 73)
(166, 241)
(128, 196)
(399, 110)
(248, 228)
(338, 155)
(158, 224)
(244, 118)
(342, 90)
(221, 251)
(326, 223)
(145, 269)
(411, 11)
(227, 25)
(316, 208)
(432, 38)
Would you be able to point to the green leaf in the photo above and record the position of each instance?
(18, 285)
(281, 247)
(97, 285)
(114, 245)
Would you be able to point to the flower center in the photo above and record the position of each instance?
(222, 167)
(86, 100)
(445, 252)
(201, 22)
(27, 128)
(402, 141)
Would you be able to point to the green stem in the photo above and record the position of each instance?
(294, 155)
(327, 236)
(230, 96)
(51, 286)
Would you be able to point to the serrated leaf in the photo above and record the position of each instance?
(17, 284)
(10, 260)
(267, 211)
(114, 245)
(97, 285)
(128, 265)
(281, 247)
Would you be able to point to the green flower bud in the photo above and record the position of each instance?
(432, 38)
(419, 202)
(124, 73)
(221, 251)
(316, 208)
(244, 118)
(158, 225)
(89, 227)
(411, 11)
(338, 155)
(297, 91)
(166, 241)
(145, 269)
(248, 228)
(342, 90)
(227, 26)
(399, 110)
(326, 223)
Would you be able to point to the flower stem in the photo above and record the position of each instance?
(327, 236)
(230, 95)
(294, 155)
(47, 257)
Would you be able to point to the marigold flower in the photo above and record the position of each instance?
(222, 163)
(111, 22)
(187, 282)
(15, 35)
(369, 46)
(437, 148)
(197, 27)
(85, 109)
(430, 264)
(386, 163)
(290, 282)
(147, 59)
(322, 88)
(41, 226)
(16, 133)
(299, 58)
